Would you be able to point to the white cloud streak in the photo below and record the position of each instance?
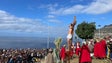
(99, 7)
(11, 22)
(51, 16)
(54, 21)
(95, 7)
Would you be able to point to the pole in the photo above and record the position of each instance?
(48, 37)
(99, 30)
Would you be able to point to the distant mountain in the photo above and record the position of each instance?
(108, 25)
(106, 28)
(104, 31)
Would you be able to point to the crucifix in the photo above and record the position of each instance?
(70, 37)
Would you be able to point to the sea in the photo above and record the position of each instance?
(27, 42)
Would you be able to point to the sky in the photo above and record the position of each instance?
(42, 18)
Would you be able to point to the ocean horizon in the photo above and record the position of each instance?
(26, 42)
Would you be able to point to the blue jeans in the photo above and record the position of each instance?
(111, 55)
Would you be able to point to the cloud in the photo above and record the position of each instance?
(50, 16)
(54, 21)
(49, 6)
(11, 22)
(74, 1)
(99, 7)
(95, 7)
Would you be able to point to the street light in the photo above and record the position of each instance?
(99, 30)
(48, 39)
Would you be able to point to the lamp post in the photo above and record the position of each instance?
(99, 30)
(48, 37)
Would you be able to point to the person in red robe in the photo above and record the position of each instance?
(100, 49)
(85, 54)
(62, 54)
(103, 49)
(97, 49)
(77, 49)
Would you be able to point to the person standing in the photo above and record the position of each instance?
(85, 54)
(110, 47)
(107, 39)
(77, 49)
(50, 58)
(97, 48)
(103, 49)
(91, 46)
(62, 54)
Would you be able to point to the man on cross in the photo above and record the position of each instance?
(70, 33)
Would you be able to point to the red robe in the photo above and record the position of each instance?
(100, 49)
(62, 53)
(103, 49)
(97, 49)
(77, 51)
(85, 54)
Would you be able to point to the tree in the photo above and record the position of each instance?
(86, 30)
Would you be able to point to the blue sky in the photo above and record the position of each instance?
(50, 17)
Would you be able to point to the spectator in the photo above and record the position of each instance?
(50, 58)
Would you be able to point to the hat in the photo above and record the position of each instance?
(64, 45)
(111, 40)
(84, 42)
(50, 49)
(98, 39)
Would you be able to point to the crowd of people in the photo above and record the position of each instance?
(22, 55)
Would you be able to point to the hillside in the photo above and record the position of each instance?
(106, 30)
